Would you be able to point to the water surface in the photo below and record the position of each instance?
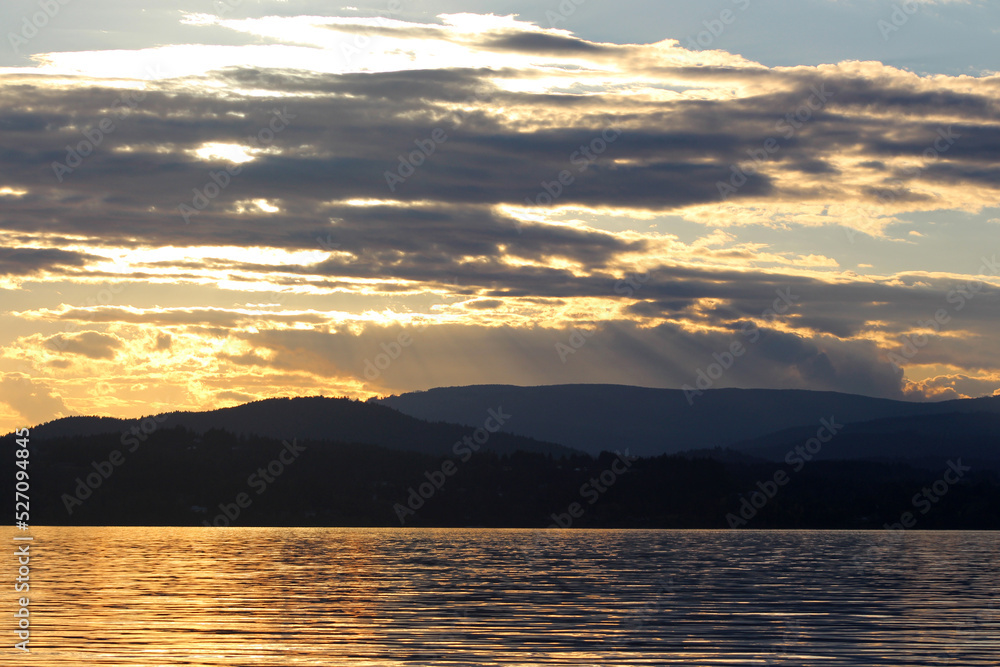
(388, 597)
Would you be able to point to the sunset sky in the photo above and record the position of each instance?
(203, 203)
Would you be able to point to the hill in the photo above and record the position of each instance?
(922, 439)
(314, 418)
(662, 421)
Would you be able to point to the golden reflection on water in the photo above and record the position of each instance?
(331, 596)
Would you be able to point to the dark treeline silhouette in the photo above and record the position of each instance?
(177, 476)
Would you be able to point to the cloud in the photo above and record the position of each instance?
(32, 400)
(539, 42)
(90, 344)
(31, 261)
(217, 317)
(672, 154)
(944, 387)
(237, 396)
(618, 352)
(528, 217)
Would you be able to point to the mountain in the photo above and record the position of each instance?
(313, 418)
(325, 461)
(974, 437)
(565, 419)
(599, 417)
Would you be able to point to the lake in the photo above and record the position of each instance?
(344, 596)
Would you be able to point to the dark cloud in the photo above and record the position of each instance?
(341, 143)
(484, 304)
(235, 396)
(164, 341)
(539, 42)
(30, 261)
(90, 344)
(618, 352)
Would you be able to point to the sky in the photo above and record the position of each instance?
(204, 203)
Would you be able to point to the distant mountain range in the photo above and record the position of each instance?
(762, 422)
(316, 418)
(440, 458)
(563, 419)
(919, 439)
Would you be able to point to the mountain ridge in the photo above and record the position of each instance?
(311, 418)
(662, 421)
